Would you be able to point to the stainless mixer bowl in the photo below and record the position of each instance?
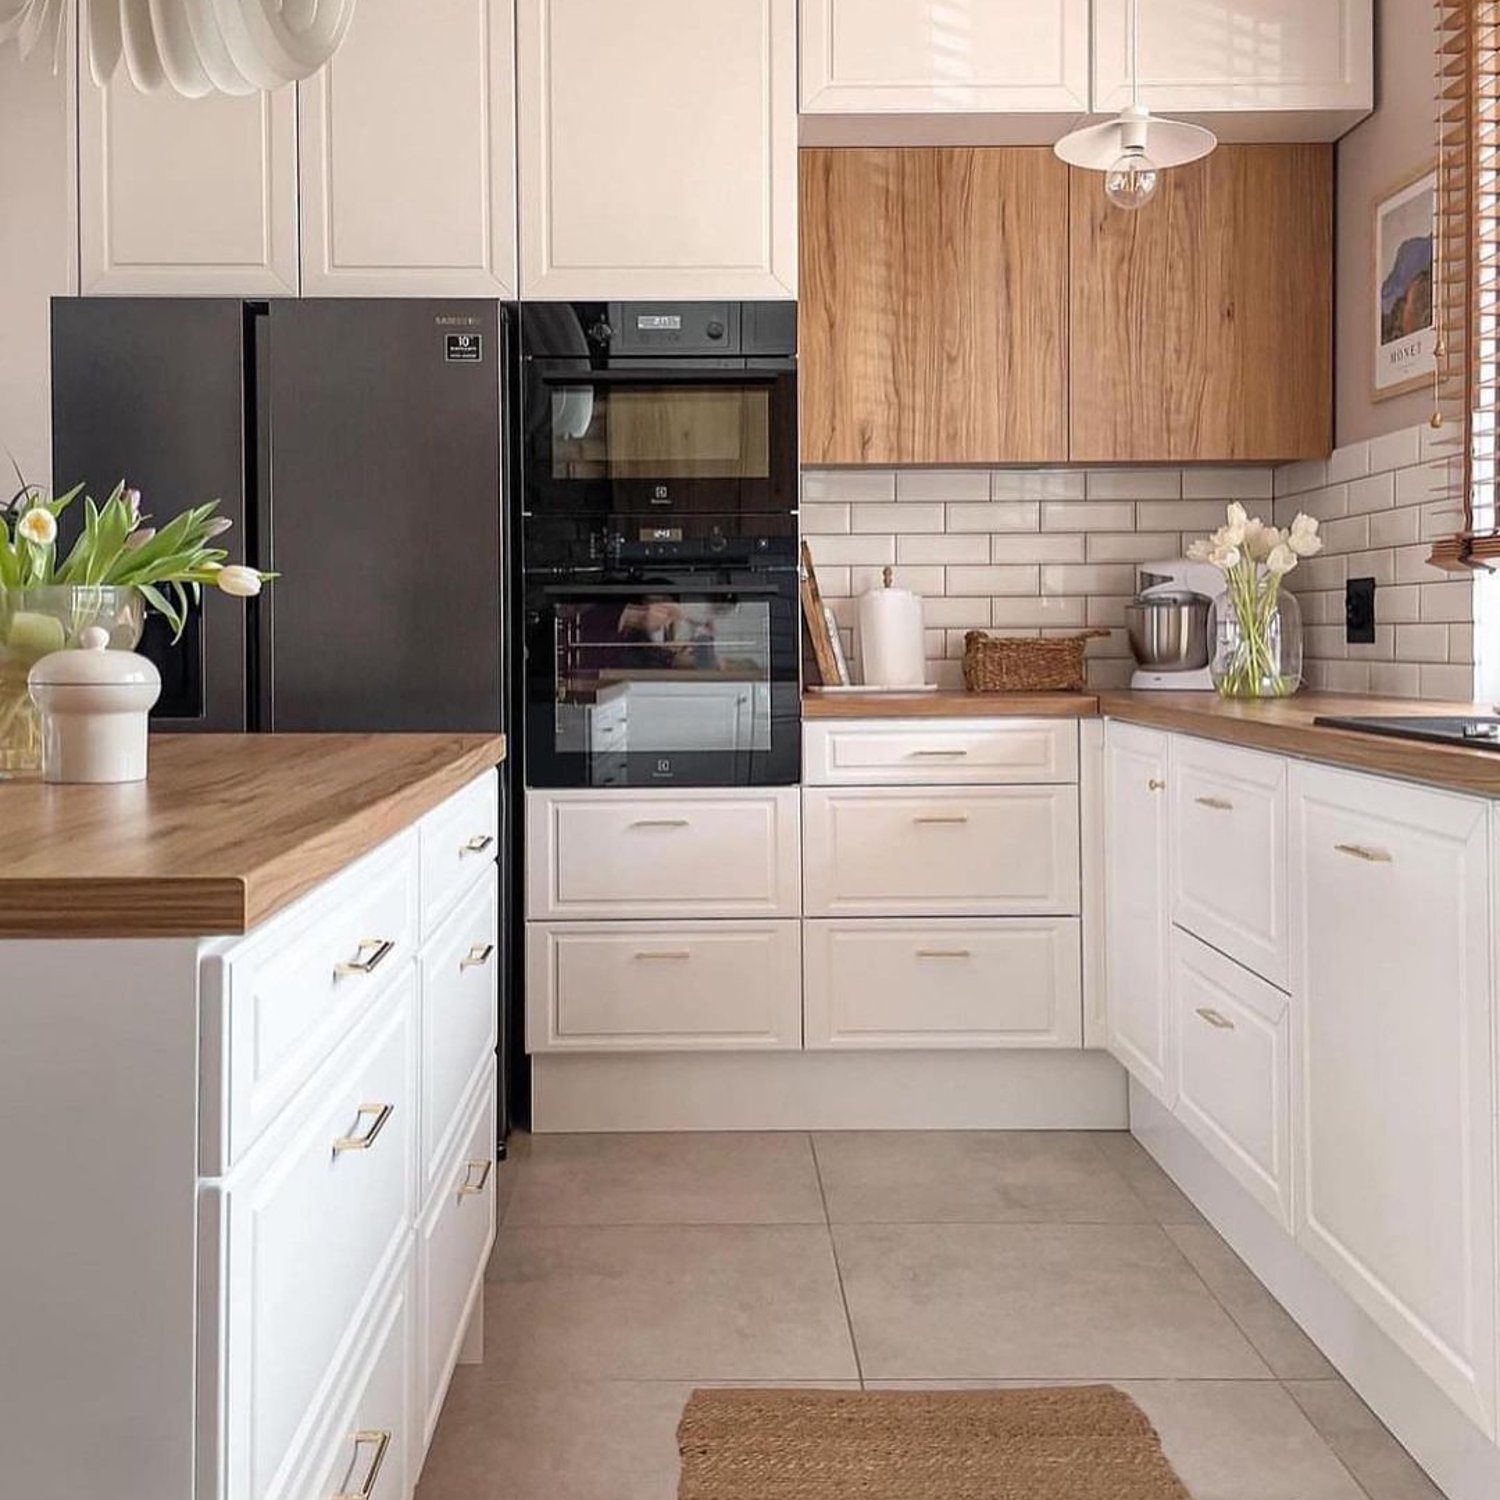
(1169, 632)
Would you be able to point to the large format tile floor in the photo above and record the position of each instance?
(629, 1269)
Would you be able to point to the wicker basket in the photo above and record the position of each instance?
(1026, 664)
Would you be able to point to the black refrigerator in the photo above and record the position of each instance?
(359, 447)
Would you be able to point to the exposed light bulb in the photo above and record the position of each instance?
(1131, 183)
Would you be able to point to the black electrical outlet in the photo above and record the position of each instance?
(1359, 612)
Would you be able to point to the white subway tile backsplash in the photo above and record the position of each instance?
(1040, 612)
(1134, 547)
(1438, 442)
(1454, 682)
(1105, 675)
(1451, 601)
(833, 582)
(1101, 515)
(1399, 604)
(1421, 642)
(824, 520)
(848, 484)
(994, 581)
(1442, 518)
(971, 548)
(1036, 484)
(1422, 485)
(1227, 484)
(1298, 478)
(1379, 564)
(1396, 679)
(1378, 492)
(1461, 643)
(1134, 484)
(1382, 648)
(1396, 450)
(1352, 534)
(1346, 676)
(1047, 548)
(867, 550)
(896, 518)
(1008, 515)
(967, 613)
(1412, 566)
(919, 580)
(1188, 515)
(1395, 528)
(1107, 611)
(1087, 578)
(1326, 642)
(1352, 461)
(1326, 504)
(943, 484)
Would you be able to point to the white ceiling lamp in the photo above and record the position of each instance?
(1135, 148)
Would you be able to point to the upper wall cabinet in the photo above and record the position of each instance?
(408, 154)
(658, 148)
(1264, 69)
(932, 324)
(937, 57)
(186, 195)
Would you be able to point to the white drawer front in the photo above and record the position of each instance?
(649, 854)
(308, 1228)
(278, 1004)
(992, 851)
(453, 1244)
(459, 842)
(876, 752)
(659, 986)
(1233, 1073)
(1000, 982)
(459, 995)
(1229, 852)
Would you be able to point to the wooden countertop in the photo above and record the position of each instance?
(949, 703)
(227, 829)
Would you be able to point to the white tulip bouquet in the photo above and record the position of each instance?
(1254, 558)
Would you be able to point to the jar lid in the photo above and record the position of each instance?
(92, 664)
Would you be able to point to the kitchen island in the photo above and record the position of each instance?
(247, 1113)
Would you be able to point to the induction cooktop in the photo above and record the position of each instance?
(1479, 733)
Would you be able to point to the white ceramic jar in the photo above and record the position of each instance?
(93, 704)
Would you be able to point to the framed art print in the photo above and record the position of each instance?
(1405, 331)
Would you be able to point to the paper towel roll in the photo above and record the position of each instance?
(890, 638)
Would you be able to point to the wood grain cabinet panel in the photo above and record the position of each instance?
(934, 306)
(1201, 326)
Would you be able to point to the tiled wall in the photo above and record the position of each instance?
(1016, 552)
(1377, 504)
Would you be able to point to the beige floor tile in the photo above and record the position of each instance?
(1164, 1200)
(1385, 1469)
(694, 1302)
(667, 1179)
(960, 1301)
(935, 1177)
(1261, 1318)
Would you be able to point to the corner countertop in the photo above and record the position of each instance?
(226, 830)
(949, 703)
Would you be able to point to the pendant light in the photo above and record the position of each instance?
(1134, 149)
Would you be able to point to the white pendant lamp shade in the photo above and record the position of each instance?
(1168, 143)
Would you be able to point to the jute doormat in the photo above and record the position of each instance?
(1056, 1443)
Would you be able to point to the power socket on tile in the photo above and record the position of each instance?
(1359, 612)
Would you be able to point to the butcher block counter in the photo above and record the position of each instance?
(226, 831)
(949, 703)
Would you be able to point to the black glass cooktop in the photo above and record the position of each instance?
(1483, 734)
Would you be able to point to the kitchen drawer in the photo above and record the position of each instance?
(277, 1004)
(972, 851)
(700, 853)
(998, 982)
(453, 1245)
(879, 752)
(1229, 852)
(458, 843)
(1233, 1074)
(295, 1243)
(459, 1016)
(660, 986)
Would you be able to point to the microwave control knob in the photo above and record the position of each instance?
(715, 329)
(601, 332)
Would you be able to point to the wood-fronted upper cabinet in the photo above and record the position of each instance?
(1201, 325)
(927, 57)
(408, 154)
(1265, 69)
(658, 148)
(933, 314)
(185, 196)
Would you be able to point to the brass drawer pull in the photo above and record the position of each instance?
(1360, 851)
(660, 823)
(469, 1188)
(663, 953)
(476, 957)
(363, 1140)
(943, 953)
(1154, 785)
(1219, 804)
(935, 754)
(372, 953)
(946, 818)
(478, 844)
(1214, 1019)
(382, 1443)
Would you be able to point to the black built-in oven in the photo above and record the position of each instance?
(659, 544)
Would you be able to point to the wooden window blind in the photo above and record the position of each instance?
(1466, 278)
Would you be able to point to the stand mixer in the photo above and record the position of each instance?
(1168, 626)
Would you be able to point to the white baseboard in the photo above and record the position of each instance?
(998, 1090)
(1461, 1460)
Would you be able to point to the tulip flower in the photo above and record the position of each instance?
(236, 579)
(38, 526)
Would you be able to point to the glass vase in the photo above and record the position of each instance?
(1260, 657)
(35, 621)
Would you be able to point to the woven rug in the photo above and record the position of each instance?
(1055, 1443)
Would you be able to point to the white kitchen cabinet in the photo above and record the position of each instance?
(658, 148)
(1136, 901)
(935, 57)
(186, 196)
(938, 752)
(1266, 69)
(407, 147)
(1392, 1059)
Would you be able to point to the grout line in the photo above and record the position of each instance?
(838, 1270)
(1327, 1440)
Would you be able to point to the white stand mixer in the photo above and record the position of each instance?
(1168, 626)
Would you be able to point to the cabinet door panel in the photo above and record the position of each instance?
(409, 189)
(932, 325)
(1201, 327)
(184, 196)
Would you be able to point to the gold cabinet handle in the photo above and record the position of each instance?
(660, 823)
(1362, 851)
(943, 953)
(469, 1188)
(935, 754)
(655, 953)
(372, 953)
(477, 845)
(1219, 804)
(1154, 785)
(946, 818)
(362, 1140)
(381, 1442)
(476, 957)
(1223, 1023)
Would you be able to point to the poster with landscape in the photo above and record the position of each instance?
(1404, 333)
